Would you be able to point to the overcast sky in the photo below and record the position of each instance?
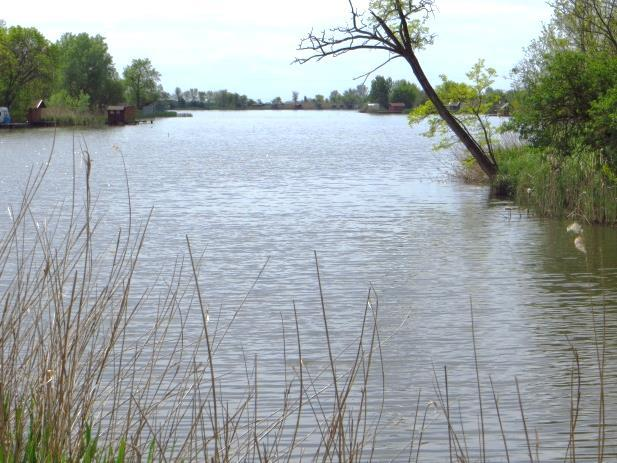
(247, 46)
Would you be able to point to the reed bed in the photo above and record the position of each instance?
(579, 186)
(79, 382)
(63, 116)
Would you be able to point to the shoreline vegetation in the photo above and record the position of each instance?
(562, 102)
(77, 384)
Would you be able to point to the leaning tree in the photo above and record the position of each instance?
(397, 27)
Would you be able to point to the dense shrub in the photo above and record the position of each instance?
(571, 104)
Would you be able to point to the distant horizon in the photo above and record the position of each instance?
(207, 45)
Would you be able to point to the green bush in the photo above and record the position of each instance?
(571, 104)
(582, 185)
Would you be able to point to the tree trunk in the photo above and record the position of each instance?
(484, 161)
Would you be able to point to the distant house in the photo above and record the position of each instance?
(396, 108)
(121, 115)
(454, 106)
(373, 108)
(35, 113)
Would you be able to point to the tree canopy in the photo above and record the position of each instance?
(405, 92)
(142, 82)
(85, 66)
(26, 61)
(380, 91)
(473, 101)
(567, 82)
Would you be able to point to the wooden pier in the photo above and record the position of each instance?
(15, 125)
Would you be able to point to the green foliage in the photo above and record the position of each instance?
(86, 67)
(472, 103)
(572, 103)
(142, 82)
(62, 99)
(380, 91)
(224, 99)
(416, 14)
(580, 185)
(589, 26)
(26, 65)
(405, 92)
(353, 97)
(565, 106)
(335, 98)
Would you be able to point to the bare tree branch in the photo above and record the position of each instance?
(396, 27)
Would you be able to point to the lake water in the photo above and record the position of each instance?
(380, 209)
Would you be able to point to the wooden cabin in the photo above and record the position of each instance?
(35, 113)
(396, 108)
(121, 115)
(454, 106)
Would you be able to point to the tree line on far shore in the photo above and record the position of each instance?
(383, 91)
(77, 73)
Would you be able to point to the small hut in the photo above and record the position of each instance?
(35, 113)
(396, 108)
(121, 115)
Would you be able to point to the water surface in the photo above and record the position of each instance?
(379, 207)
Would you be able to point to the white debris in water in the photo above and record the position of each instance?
(575, 228)
(579, 243)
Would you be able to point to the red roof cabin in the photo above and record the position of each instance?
(121, 115)
(396, 108)
(35, 113)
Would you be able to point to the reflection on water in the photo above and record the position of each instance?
(369, 195)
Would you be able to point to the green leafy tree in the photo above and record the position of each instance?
(380, 91)
(142, 82)
(572, 103)
(361, 91)
(85, 66)
(474, 101)
(405, 92)
(26, 64)
(351, 99)
(588, 25)
(113, 91)
(336, 98)
(62, 99)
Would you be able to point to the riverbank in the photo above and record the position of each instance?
(581, 186)
(62, 117)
